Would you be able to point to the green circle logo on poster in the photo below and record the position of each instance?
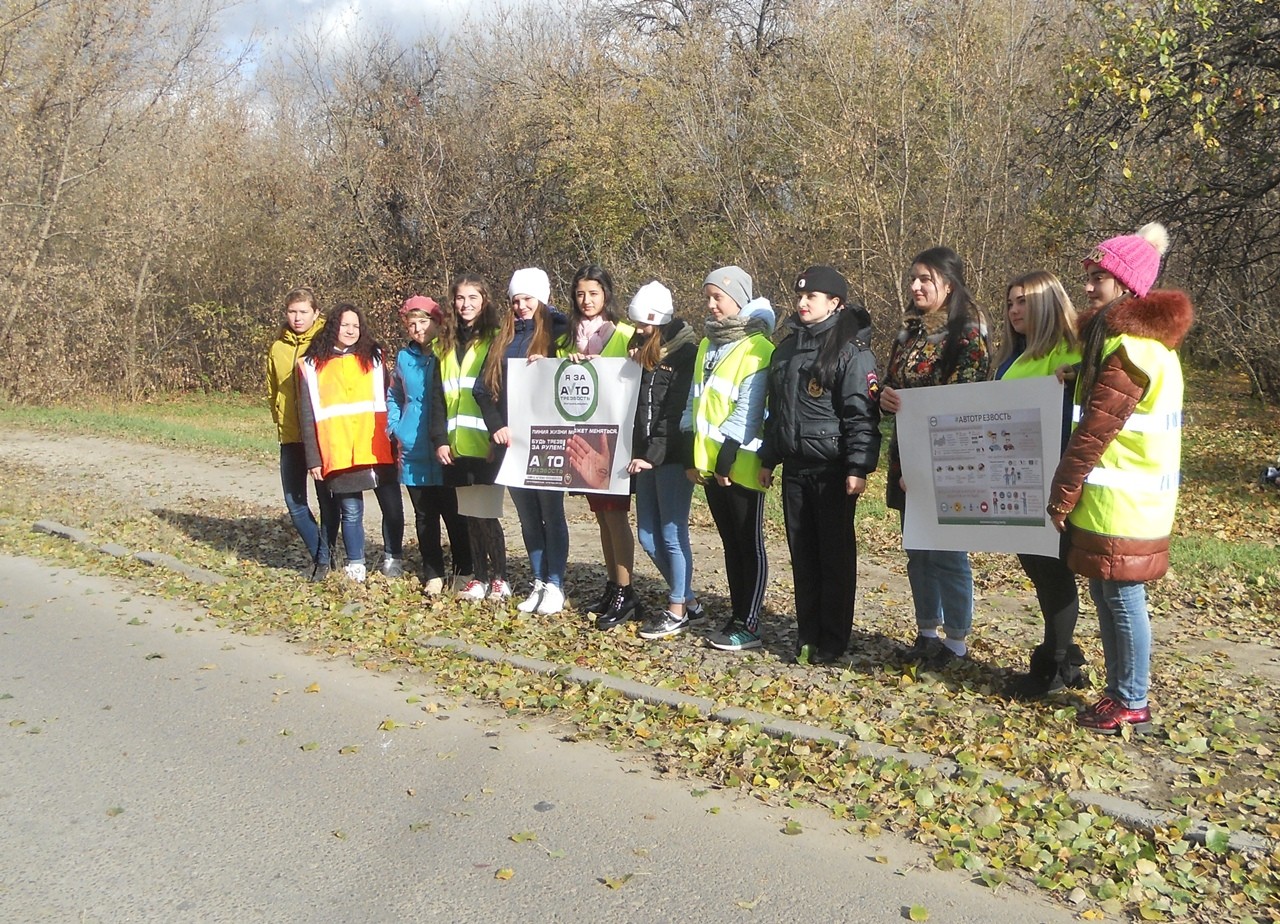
(577, 390)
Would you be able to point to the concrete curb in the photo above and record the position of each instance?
(155, 559)
(1127, 812)
(160, 560)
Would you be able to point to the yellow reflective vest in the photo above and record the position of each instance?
(468, 436)
(714, 399)
(615, 346)
(1132, 491)
(1030, 367)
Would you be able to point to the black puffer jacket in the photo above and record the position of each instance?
(663, 391)
(810, 427)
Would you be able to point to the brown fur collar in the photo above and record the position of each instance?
(1165, 315)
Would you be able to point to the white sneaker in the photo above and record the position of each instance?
(474, 590)
(433, 586)
(355, 571)
(532, 602)
(552, 601)
(459, 583)
(499, 591)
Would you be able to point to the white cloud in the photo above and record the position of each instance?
(268, 24)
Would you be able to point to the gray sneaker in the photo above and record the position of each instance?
(392, 567)
(662, 626)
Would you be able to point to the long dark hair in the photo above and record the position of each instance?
(1093, 339)
(592, 272)
(962, 310)
(325, 346)
(487, 321)
(850, 319)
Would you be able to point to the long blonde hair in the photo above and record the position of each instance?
(1051, 318)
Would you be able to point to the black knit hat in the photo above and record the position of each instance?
(823, 279)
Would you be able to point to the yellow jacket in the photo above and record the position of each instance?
(282, 388)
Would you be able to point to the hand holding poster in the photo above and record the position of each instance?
(977, 460)
(570, 424)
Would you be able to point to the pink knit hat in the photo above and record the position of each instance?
(1134, 259)
(422, 303)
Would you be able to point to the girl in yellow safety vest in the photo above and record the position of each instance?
(463, 443)
(1116, 489)
(1040, 338)
(596, 329)
(724, 416)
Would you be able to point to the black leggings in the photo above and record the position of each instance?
(1059, 599)
(739, 516)
(430, 506)
(488, 549)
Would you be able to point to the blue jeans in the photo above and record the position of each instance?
(1126, 638)
(294, 479)
(663, 496)
(545, 532)
(351, 508)
(942, 590)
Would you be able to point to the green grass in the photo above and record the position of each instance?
(1226, 525)
(226, 423)
(1208, 557)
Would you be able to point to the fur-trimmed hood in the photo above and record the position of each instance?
(1163, 314)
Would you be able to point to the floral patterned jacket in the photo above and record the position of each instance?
(913, 363)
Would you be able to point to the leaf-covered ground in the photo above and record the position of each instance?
(1213, 757)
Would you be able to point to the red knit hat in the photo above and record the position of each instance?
(1134, 259)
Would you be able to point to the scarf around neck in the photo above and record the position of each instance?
(592, 334)
(729, 330)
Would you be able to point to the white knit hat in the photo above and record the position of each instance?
(651, 305)
(530, 281)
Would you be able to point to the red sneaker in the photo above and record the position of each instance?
(1107, 717)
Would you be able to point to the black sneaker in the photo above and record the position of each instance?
(922, 649)
(662, 626)
(695, 612)
(943, 658)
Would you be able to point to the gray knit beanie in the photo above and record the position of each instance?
(734, 281)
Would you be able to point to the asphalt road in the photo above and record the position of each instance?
(157, 768)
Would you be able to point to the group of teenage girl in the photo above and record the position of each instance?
(723, 407)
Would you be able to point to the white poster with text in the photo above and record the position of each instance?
(978, 460)
(570, 424)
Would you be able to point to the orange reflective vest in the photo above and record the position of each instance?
(350, 408)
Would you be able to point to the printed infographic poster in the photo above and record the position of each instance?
(988, 468)
(978, 460)
(570, 424)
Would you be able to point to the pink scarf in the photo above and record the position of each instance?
(592, 334)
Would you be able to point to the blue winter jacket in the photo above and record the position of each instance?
(416, 395)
